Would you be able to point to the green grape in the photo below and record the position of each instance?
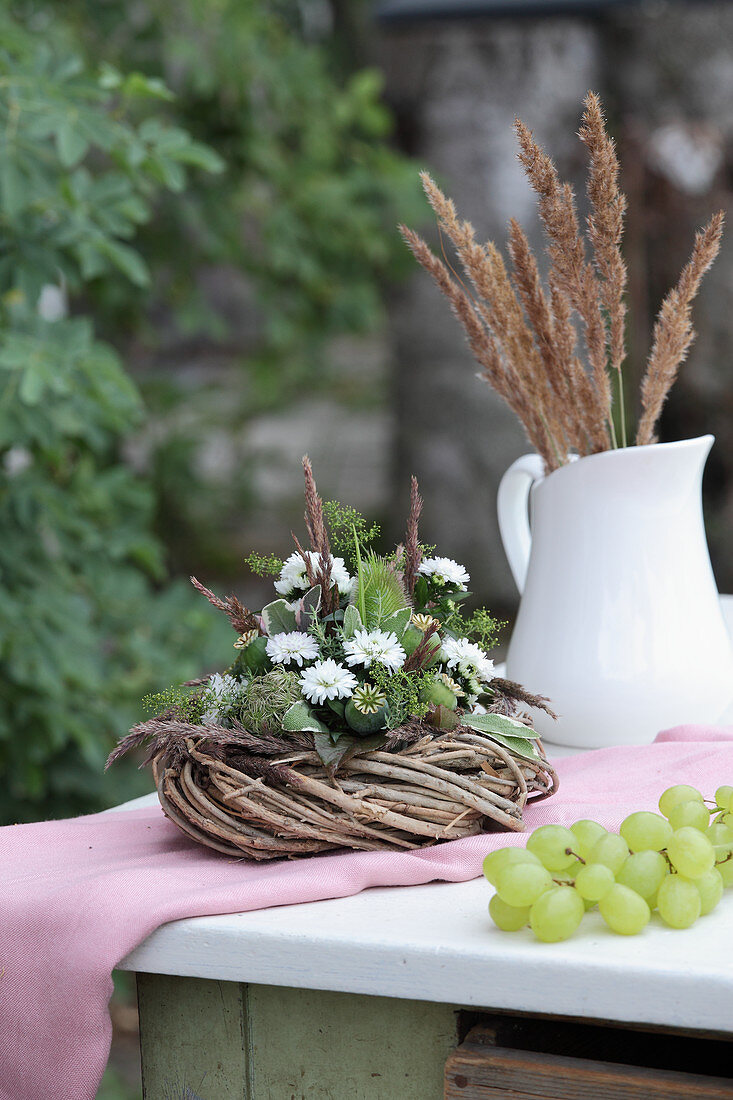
(725, 870)
(652, 901)
(593, 881)
(724, 798)
(510, 918)
(679, 902)
(645, 831)
(586, 834)
(496, 861)
(692, 813)
(644, 873)
(552, 844)
(624, 911)
(556, 914)
(710, 887)
(612, 850)
(522, 883)
(680, 793)
(679, 863)
(720, 835)
(690, 852)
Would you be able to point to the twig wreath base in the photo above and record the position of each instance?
(441, 786)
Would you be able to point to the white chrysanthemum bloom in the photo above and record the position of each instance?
(374, 645)
(478, 708)
(468, 658)
(327, 680)
(291, 647)
(294, 577)
(220, 692)
(445, 571)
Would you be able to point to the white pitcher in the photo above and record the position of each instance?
(620, 621)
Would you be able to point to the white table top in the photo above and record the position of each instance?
(437, 943)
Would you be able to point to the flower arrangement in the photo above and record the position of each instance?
(362, 664)
(525, 336)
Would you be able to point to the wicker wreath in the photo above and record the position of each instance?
(244, 796)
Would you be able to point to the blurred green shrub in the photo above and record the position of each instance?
(85, 629)
(309, 205)
(305, 217)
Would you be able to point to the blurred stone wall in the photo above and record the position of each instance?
(666, 75)
(407, 400)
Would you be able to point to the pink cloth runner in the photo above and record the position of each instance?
(78, 895)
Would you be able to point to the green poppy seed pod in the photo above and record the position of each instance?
(439, 694)
(365, 723)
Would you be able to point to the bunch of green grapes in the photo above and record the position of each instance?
(677, 862)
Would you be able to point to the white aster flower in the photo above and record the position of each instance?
(445, 571)
(374, 645)
(294, 577)
(327, 680)
(340, 575)
(468, 658)
(292, 647)
(220, 693)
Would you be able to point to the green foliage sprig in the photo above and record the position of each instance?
(348, 527)
(264, 565)
(183, 701)
(329, 641)
(402, 690)
(483, 628)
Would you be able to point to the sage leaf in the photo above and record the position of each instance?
(352, 621)
(278, 618)
(499, 723)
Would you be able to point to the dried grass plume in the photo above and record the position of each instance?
(555, 353)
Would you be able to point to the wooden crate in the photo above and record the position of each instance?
(479, 1069)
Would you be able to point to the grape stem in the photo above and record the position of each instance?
(570, 852)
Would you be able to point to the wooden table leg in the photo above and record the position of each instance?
(225, 1041)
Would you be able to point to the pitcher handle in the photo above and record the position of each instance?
(512, 505)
